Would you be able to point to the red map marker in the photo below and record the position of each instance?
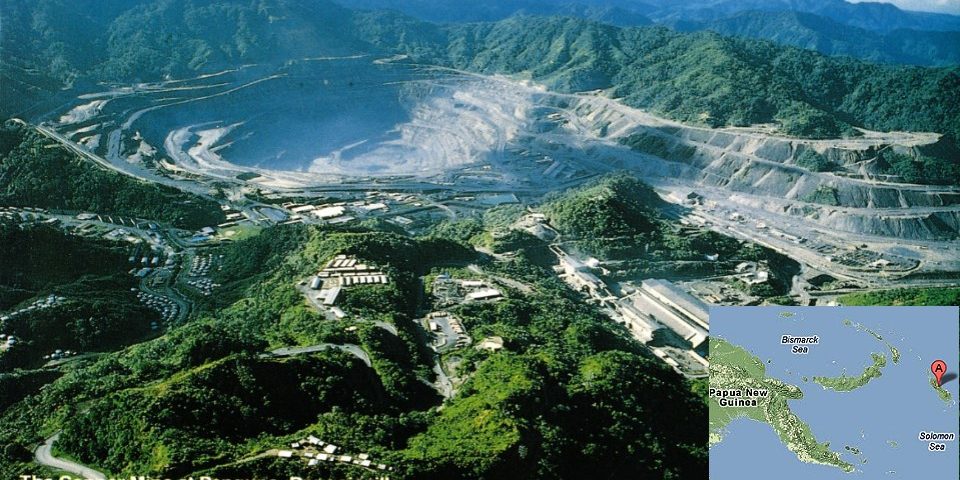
(938, 367)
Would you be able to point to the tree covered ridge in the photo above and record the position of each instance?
(35, 172)
(94, 308)
(832, 37)
(701, 77)
(612, 207)
(568, 395)
(705, 78)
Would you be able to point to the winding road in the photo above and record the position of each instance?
(352, 349)
(44, 456)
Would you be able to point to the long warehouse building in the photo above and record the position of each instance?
(676, 298)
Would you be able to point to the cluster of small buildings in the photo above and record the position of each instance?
(233, 216)
(343, 271)
(201, 265)
(43, 303)
(7, 342)
(28, 215)
(131, 230)
(751, 273)
(147, 261)
(315, 451)
(168, 309)
(16, 215)
(60, 355)
(203, 285)
(443, 324)
(346, 271)
(449, 291)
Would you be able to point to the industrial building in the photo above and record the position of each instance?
(345, 271)
(349, 280)
(329, 296)
(340, 272)
(660, 303)
(578, 275)
(484, 294)
(687, 305)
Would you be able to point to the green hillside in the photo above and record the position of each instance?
(904, 297)
(701, 77)
(202, 397)
(615, 206)
(97, 311)
(830, 37)
(705, 78)
(36, 172)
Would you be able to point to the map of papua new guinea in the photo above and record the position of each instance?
(847, 392)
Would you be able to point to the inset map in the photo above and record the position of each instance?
(833, 393)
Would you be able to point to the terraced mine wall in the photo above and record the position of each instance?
(760, 170)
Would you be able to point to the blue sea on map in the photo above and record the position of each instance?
(881, 419)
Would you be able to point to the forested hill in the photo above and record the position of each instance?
(49, 45)
(701, 77)
(830, 37)
(871, 15)
(34, 172)
(870, 31)
(709, 79)
(874, 16)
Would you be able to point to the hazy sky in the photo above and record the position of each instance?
(944, 6)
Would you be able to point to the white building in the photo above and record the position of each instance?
(484, 294)
(640, 325)
(694, 309)
(328, 212)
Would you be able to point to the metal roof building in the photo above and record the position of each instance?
(678, 299)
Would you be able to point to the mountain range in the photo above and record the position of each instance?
(880, 17)
(699, 77)
(870, 31)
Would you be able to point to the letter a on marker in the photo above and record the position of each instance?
(938, 367)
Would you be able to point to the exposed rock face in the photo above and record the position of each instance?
(760, 170)
(450, 121)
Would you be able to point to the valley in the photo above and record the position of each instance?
(294, 239)
(464, 132)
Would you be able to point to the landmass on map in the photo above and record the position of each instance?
(941, 392)
(845, 383)
(734, 369)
